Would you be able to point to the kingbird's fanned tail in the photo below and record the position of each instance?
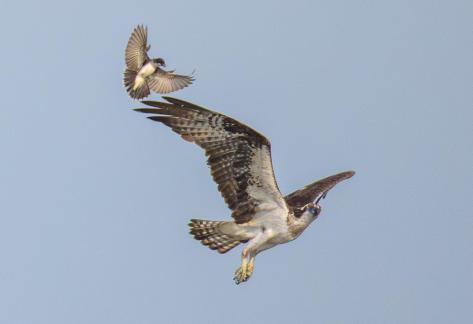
(207, 232)
(129, 79)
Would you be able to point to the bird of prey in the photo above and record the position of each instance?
(240, 162)
(143, 74)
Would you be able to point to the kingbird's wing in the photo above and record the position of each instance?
(165, 82)
(137, 48)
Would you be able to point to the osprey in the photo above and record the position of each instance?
(143, 74)
(240, 162)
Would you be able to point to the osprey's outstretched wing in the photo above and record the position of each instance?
(239, 157)
(137, 48)
(316, 190)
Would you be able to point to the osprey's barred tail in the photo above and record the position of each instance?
(207, 233)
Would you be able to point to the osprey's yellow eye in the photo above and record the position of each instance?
(315, 210)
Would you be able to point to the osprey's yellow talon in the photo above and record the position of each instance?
(242, 274)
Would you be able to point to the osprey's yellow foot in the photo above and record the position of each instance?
(250, 268)
(243, 273)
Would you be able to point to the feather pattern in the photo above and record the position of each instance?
(315, 190)
(165, 82)
(209, 234)
(239, 157)
(137, 48)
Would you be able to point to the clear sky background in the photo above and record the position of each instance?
(95, 198)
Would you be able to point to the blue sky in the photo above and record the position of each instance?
(95, 199)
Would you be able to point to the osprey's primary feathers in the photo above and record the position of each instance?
(240, 162)
(144, 74)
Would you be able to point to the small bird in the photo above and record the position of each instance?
(143, 74)
(240, 162)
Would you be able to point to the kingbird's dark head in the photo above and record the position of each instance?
(159, 61)
(314, 209)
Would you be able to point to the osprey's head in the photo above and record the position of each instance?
(309, 212)
(159, 61)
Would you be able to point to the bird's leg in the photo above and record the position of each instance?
(244, 272)
(251, 264)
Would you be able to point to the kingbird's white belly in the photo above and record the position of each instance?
(143, 73)
(139, 81)
(146, 70)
